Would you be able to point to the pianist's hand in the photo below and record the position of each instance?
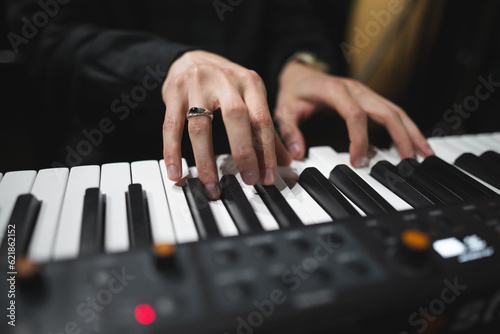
(203, 79)
(303, 90)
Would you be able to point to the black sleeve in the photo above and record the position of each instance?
(295, 25)
(90, 53)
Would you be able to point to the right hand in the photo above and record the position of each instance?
(203, 79)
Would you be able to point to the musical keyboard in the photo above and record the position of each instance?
(119, 248)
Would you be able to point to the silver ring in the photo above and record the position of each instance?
(198, 111)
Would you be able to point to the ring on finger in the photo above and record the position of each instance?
(198, 111)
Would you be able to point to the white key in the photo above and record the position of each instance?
(1, 175)
(476, 146)
(115, 179)
(295, 204)
(226, 165)
(488, 143)
(13, 184)
(148, 174)
(222, 217)
(67, 243)
(49, 187)
(325, 158)
(290, 176)
(184, 227)
(444, 150)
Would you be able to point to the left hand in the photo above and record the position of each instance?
(304, 90)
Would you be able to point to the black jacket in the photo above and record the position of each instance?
(106, 59)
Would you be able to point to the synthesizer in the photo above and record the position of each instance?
(406, 246)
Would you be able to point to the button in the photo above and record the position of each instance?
(333, 238)
(225, 257)
(263, 251)
(237, 292)
(164, 256)
(415, 240)
(300, 244)
(357, 267)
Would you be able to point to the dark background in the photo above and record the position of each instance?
(467, 45)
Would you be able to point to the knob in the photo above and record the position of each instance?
(414, 247)
(164, 256)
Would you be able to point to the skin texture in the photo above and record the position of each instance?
(203, 79)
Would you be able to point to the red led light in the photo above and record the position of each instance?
(144, 314)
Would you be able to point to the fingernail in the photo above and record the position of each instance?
(294, 148)
(429, 150)
(361, 162)
(173, 172)
(250, 177)
(269, 177)
(213, 191)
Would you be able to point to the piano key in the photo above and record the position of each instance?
(222, 217)
(22, 220)
(388, 175)
(1, 176)
(487, 142)
(92, 235)
(238, 206)
(444, 150)
(324, 158)
(330, 199)
(226, 165)
(364, 173)
(13, 184)
(184, 228)
(200, 209)
(410, 169)
(492, 157)
(480, 168)
(67, 240)
(354, 187)
(115, 179)
(454, 179)
(139, 225)
(147, 174)
(50, 188)
(279, 207)
(290, 176)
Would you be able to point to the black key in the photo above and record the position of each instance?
(479, 168)
(238, 206)
(358, 191)
(200, 209)
(410, 169)
(454, 179)
(387, 174)
(325, 193)
(21, 223)
(492, 157)
(278, 206)
(92, 236)
(138, 217)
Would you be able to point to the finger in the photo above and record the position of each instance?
(356, 121)
(200, 133)
(396, 122)
(262, 129)
(288, 124)
(236, 120)
(416, 136)
(173, 125)
(283, 157)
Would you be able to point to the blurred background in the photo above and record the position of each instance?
(426, 58)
